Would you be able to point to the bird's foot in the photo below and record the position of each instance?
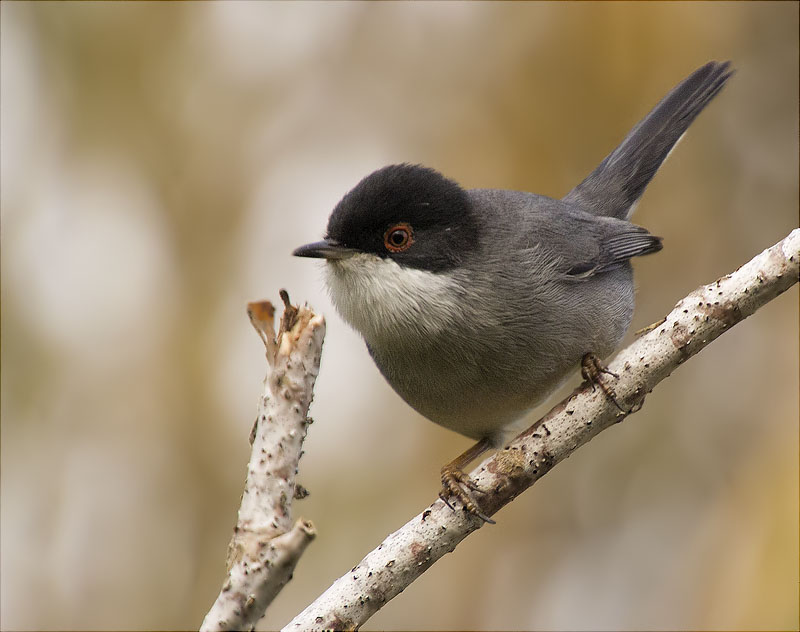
(649, 328)
(592, 370)
(456, 484)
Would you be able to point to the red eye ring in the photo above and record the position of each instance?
(398, 237)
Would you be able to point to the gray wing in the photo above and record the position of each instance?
(573, 242)
(615, 243)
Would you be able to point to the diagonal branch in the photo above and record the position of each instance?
(265, 546)
(695, 322)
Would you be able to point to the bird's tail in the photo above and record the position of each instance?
(615, 186)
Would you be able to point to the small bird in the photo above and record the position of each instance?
(477, 304)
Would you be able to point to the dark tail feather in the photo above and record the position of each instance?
(615, 186)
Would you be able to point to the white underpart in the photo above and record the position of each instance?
(383, 300)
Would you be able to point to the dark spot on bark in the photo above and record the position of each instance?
(421, 554)
(337, 623)
(727, 313)
(680, 338)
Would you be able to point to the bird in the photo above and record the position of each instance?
(477, 304)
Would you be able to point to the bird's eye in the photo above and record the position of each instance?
(398, 238)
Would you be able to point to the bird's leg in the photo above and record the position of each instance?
(592, 370)
(454, 480)
(649, 328)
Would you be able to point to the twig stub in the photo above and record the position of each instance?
(289, 318)
(262, 317)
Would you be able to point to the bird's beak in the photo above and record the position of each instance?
(325, 249)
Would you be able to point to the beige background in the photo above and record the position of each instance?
(161, 161)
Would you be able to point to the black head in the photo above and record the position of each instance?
(408, 213)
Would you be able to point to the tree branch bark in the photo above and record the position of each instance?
(695, 322)
(265, 546)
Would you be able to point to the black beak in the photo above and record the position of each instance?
(325, 249)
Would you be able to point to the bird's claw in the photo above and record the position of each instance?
(455, 484)
(592, 370)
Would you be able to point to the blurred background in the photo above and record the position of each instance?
(160, 162)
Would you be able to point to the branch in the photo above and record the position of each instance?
(265, 547)
(695, 321)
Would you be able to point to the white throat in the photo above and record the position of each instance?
(385, 301)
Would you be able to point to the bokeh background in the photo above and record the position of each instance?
(160, 162)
